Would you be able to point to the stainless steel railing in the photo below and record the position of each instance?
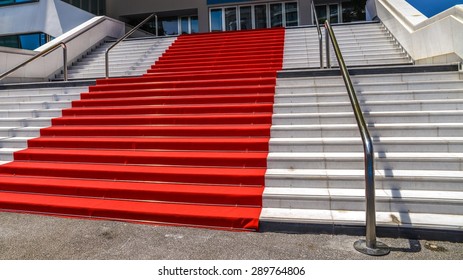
(123, 38)
(43, 53)
(320, 36)
(370, 245)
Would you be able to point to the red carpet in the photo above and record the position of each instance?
(186, 144)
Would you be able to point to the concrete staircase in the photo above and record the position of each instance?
(23, 112)
(361, 44)
(129, 58)
(315, 166)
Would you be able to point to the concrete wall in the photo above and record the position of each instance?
(53, 17)
(78, 40)
(428, 40)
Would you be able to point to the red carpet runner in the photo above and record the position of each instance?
(186, 144)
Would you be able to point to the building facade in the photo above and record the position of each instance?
(174, 17)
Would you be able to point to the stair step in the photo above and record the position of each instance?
(437, 202)
(171, 158)
(387, 219)
(146, 212)
(355, 179)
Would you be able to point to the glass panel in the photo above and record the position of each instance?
(94, 7)
(75, 3)
(194, 24)
(230, 19)
(101, 7)
(334, 13)
(276, 15)
(30, 41)
(291, 14)
(349, 13)
(86, 5)
(10, 41)
(168, 26)
(321, 13)
(216, 20)
(245, 17)
(184, 25)
(260, 16)
(6, 2)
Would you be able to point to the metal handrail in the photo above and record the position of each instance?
(43, 53)
(369, 246)
(122, 39)
(320, 36)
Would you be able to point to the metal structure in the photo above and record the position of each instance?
(123, 38)
(370, 245)
(320, 36)
(43, 53)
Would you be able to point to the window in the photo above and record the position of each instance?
(25, 41)
(96, 7)
(351, 13)
(168, 26)
(230, 19)
(276, 15)
(254, 16)
(260, 16)
(245, 17)
(189, 25)
(325, 12)
(216, 20)
(14, 2)
(292, 18)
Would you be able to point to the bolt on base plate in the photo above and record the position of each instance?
(381, 249)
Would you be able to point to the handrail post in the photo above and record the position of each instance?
(320, 36)
(122, 39)
(65, 61)
(327, 46)
(370, 245)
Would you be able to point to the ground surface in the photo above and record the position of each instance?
(40, 237)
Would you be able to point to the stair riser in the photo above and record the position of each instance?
(31, 114)
(99, 90)
(445, 184)
(379, 147)
(262, 98)
(360, 88)
(374, 132)
(155, 194)
(370, 119)
(236, 144)
(20, 132)
(13, 143)
(138, 176)
(49, 98)
(250, 119)
(35, 105)
(358, 163)
(382, 205)
(25, 123)
(206, 160)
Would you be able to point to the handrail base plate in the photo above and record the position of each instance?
(381, 249)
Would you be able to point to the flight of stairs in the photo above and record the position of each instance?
(361, 45)
(186, 144)
(131, 57)
(316, 164)
(197, 140)
(23, 112)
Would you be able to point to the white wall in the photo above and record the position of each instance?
(428, 40)
(78, 40)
